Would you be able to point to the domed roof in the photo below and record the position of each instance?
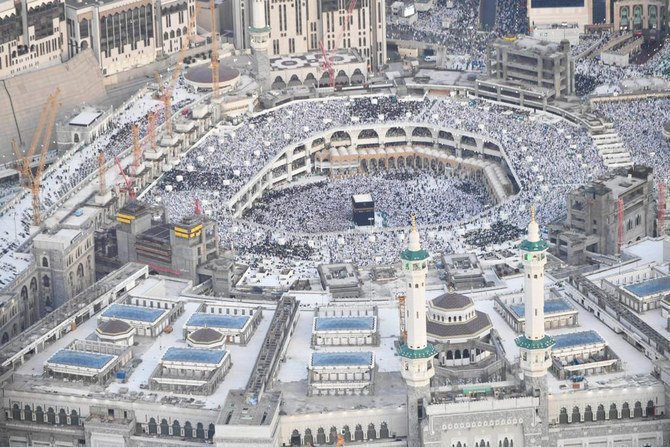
(205, 336)
(114, 327)
(451, 301)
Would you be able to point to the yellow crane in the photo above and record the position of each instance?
(25, 160)
(37, 177)
(164, 92)
(102, 181)
(215, 50)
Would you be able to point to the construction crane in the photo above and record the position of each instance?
(129, 183)
(37, 177)
(619, 224)
(27, 158)
(151, 130)
(328, 62)
(137, 150)
(661, 209)
(165, 92)
(215, 50)
(102, 170)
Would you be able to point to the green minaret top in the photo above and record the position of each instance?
(414, 252)
(533, 242)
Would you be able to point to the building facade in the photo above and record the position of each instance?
(122, 34)
(32, 35)
(299, 26)
(648, 18)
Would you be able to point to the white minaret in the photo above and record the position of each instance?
(416, 353)
(259, 32)
(534, 345)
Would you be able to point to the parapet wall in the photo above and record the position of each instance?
(22, 97)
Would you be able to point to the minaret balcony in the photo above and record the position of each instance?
(409, 353)
(414, 255)
(524, 342)
(527, 245)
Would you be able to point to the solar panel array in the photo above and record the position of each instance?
(341, 358)
(550, 307)
(651, 287)
(133, 313)
(344, 323)
(203, 319)
(81, 359)
(194, 355)
(577, 339)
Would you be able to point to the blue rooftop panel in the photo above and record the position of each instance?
(344, 323)
(341, 358)
(577, 339)
(550, 307)
(650, 287)
(194, 355)
(217, 320)
(80, 359)
(134, 313)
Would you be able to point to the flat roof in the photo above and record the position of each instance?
(358, 198)
(80, 359)
(133, 313)
(577, 339)
(341, 358)
(650, 287)
(85, 118)
(194, 355)
(344, 323)
(218, 320)
(550, 307)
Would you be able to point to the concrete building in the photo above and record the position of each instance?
(464, 271)
(558, 312)
(88, 361)
(178, 249)
(190, 370)
(641, 289)
(235, 328)
(580, 354)
(341, 373)
(84, 127)
(341, 280)
(527, 62)
(65, 263)
(596, 212)
(33, 36)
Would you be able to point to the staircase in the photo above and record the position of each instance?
(611, 148)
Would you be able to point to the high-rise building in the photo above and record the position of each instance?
(32, 35)
(299, 26)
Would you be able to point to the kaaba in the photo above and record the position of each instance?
(363, 209)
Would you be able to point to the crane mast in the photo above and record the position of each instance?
(328, 61)
(102, 181)
(37, 178)
(215, 50)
